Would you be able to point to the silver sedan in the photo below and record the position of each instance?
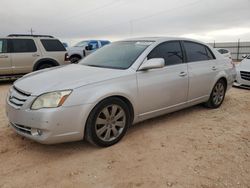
(121, 84)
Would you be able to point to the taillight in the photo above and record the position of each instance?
(232, 63)
(66, 58)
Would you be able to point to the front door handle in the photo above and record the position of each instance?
(183, 74)
(4, 56)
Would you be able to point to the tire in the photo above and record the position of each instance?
(108, 122)
(44, 66)
(217, 95)
(74, 59)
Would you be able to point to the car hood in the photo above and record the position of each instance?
(245, 65)
(65, 77)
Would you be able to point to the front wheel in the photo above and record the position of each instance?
(108, 122)
(217, 96)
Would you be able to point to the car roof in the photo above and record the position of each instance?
(159, 39)
(162, 39)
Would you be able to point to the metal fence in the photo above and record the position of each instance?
(237, 49)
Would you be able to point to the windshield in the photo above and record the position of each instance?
(118, 55)
(82, 44)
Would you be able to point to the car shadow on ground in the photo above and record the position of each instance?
(84, 146)
(241, 88)
(7, 82)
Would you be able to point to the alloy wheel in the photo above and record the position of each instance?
(110, 123)
(218, 93)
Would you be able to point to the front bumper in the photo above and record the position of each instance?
(49, 126)
(239, 82)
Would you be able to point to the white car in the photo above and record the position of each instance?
(225, 52)
(123, 83)
(84, 48)
(243, 73)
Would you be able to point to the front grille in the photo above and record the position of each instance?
(18, 97)
(21, 128)
(245, 75)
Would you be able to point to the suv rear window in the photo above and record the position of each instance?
(223, 51)
(53, 45)
(197, 52)
(23, 45)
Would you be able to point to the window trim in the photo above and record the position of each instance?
(170, 41)
(206, 49)
(10, 45)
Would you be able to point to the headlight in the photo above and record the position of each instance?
(50, 100)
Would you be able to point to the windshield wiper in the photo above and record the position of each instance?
(95, 66)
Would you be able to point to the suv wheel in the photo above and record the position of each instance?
(217, 96)
(44, 66)
(75, 59)
(108, 122)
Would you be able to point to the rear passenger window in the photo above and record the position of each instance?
(210, 54)
(53, 45)
(197, 52)
(23, 45)
(3, 46)
(170, 51)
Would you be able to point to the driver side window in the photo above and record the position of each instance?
(94, 45)
(171, 52)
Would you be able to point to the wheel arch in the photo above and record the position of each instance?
(121, 97)
(223, 78)
(45, 60)
(75, 55)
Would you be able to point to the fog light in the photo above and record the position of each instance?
(40, 132)
(36, 132)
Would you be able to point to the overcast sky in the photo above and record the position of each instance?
(73, 20)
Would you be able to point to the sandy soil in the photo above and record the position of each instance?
(196, 147)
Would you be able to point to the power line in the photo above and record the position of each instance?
(132, 21)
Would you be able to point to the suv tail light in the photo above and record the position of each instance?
(66, 58)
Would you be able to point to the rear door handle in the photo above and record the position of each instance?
(183, 74)
(4, 56)
(214, 68)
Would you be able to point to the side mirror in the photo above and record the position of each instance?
(244, 56)
(154, 63)
(89, 47)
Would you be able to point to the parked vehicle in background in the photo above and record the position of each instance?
(21, 54)
(243, 73)
(224, 52)
(122, 83)
(77, 52)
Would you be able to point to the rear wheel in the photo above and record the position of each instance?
(217, 96)
(108, 122)
(44, 66)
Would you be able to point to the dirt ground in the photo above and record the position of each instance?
(196, 147)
